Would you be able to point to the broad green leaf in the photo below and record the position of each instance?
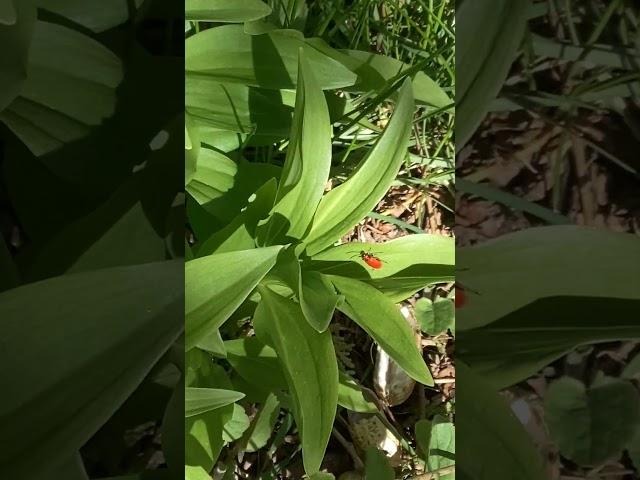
(96, 15)
(382, 320)
(10, 277)
(632, 370)
(118, 232)
(318, 299)
(72, 469)
(237, 424)
(8, 14)
(409, 263)
(347, 204)
(225, 11)
(352, 396)
(270, 60)
(435, 317)
(483, 66)
(117, 322)
(442, 447)
(236, 107)
(634, 448)
(514, 270)
(16, 30)
(203, 433)
(310, 366)
(314, 291)
(223, 187)
(213, 344)
(201, 400)
(240, 233)
(256, 362)
(423, 438)
(307, 164)
(70, 87)
(523, 342)
(195, 473)
(591, 424)
(486, 191)
(262, 425)
(322, 476)
(213, 175)
(216, 285)
(597, 54)
(374, 71)
(173, 429)
(377, 466)
(487, 430)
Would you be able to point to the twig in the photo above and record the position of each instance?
(348, 446)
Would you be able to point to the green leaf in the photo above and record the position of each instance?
(240, 233)
(270, 60)
(310, 366)
(632, 370)
(213, 175)
(484, 190)
(377, 466)
(195, 473)
(213, 344)
(442, 447)
(173, 429)
(487, 429)
(482, 67)
(262, 425)
(16, 30)
(352, 396)
(435, 317)
(117, 322)
(595, 54)
(347, 204)
(318, 299)
(409, 263)
(423, 438)
(70, 87)
(8, 14)
(591, 424)
(307, 164)
(523, 342)
(216, 285)
(10, 277)
(256, 362)
(203, 433)
(117, 232)
(96, 15)
(224, 11)
(237, 425)
(382, 320)
(201, 400)
(634, 448)
(72, 469)
(514, 270)
(236, 107)
(374, 71)
(223, 187)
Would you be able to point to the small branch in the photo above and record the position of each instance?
(348, 446)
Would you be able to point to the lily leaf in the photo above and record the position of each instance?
(101, 333)
(347, 204)
(217, 284)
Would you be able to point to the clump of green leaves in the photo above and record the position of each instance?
(265, 275)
